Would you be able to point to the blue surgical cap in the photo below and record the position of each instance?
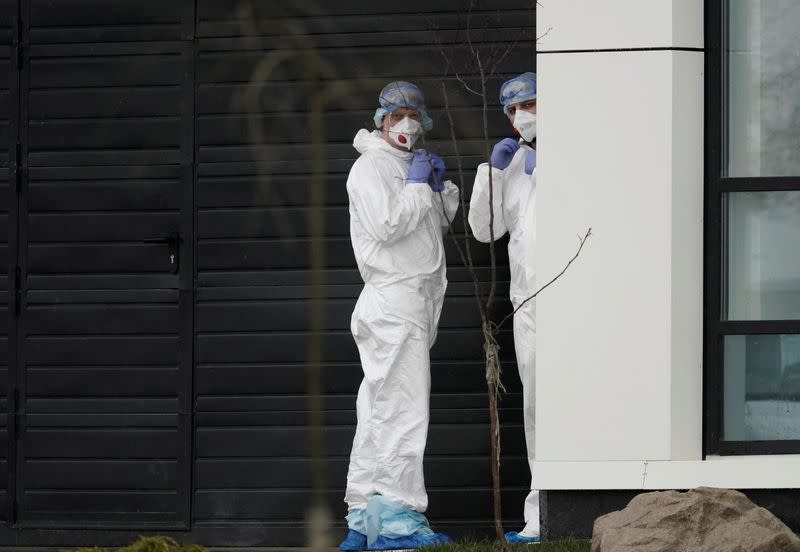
(518, 89)
(399, 94)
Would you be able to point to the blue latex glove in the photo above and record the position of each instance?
(436, 180)
(503, 152)
(421, 168)
(530, 161)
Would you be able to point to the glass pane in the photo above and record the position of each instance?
(761, 388)
(763, 272)
(763, 88)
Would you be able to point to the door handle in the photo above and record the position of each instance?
(173, 244)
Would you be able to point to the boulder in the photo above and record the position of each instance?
(700, 520)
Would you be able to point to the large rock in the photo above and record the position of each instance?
(701, 520)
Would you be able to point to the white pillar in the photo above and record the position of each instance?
(620, 137)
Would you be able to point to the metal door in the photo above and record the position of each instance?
(104, 368)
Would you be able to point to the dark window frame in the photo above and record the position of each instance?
(717, 185)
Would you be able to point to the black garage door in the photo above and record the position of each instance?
(158, 361)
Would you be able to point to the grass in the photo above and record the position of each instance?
(166, 544)
(152, 544)
(489, 546)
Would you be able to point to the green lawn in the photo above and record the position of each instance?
(164, 544)
(488, 546)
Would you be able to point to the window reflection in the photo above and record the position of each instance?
(763, 92)
(762, 388)
(763, 263)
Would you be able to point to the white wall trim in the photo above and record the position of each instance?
(738, 472)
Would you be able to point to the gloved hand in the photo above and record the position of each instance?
(436, 180)
(530, 161)
(503, 152)
(421, 167)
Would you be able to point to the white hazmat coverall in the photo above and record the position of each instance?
(397, 235)
(514, 200)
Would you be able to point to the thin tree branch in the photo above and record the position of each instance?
(465, 259)
(469, 32)
(547, 32)
(557, 276)
(496, 62)
(464, 83)
(492, 254)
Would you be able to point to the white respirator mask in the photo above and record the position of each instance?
(525, 124)
(406, 132)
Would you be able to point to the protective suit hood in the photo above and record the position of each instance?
(366, 140)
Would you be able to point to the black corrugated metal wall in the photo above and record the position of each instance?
(8, 248)
(161, 230)
(104, 358)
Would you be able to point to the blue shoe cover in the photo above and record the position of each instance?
(354, 541)
(512, 537)
(410, 542)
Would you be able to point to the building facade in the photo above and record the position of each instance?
(668, 357)
(170, 323)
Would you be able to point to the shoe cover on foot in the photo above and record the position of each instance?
(385, 517)
(512, 537)
(354, 542)
(410, 542)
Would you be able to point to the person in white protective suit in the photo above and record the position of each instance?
(513, 169)
(400, 208)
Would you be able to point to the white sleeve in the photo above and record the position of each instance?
(386, 214)
(479, 208)
(447, 203)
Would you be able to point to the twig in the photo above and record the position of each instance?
(496, 62)
(464, 83)
(465, 259)
(469, 32)
(547, 32)
(492, 253)
(557, 276)
(446, 60)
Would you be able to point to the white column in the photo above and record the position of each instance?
(620, 136)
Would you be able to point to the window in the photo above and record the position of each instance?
(753, 227)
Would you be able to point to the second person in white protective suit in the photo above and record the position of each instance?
(400, 206)
(513, 170)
